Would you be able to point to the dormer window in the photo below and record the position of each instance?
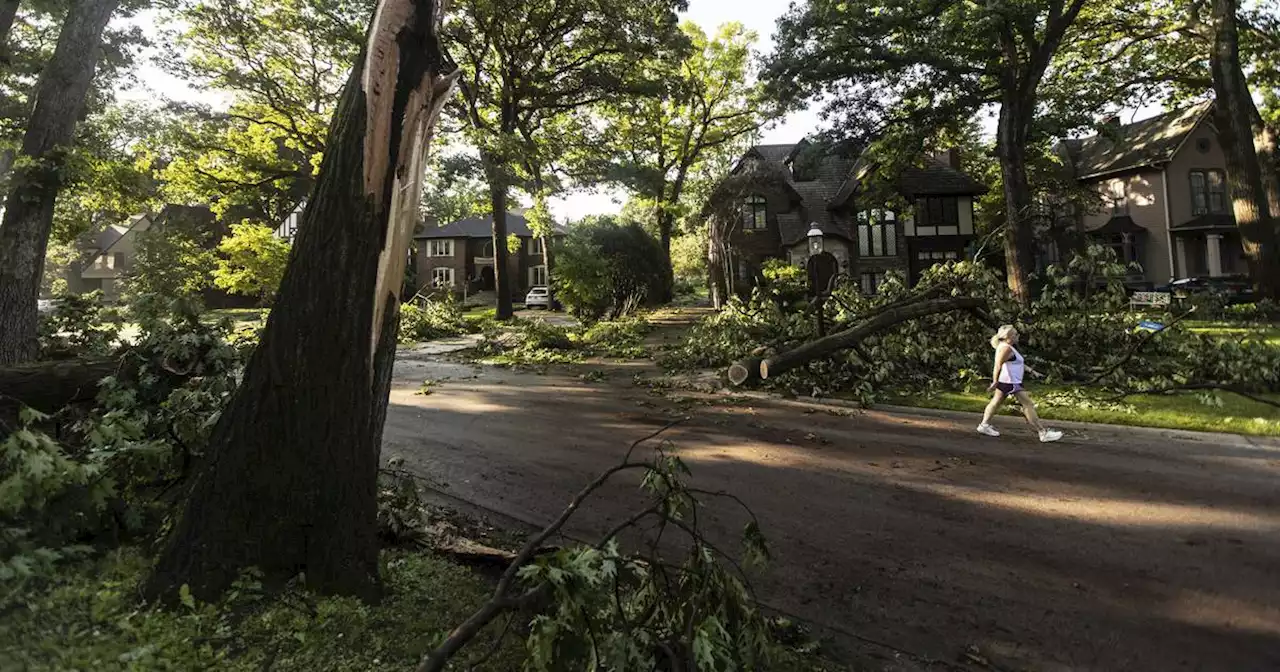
(755, 213)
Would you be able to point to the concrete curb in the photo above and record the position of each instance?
(1221, 439)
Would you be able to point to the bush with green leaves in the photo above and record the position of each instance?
(622, 338)
(79, 326)
(606, 269)
(252, 261)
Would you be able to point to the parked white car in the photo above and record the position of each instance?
(538, 297)
(45, 306)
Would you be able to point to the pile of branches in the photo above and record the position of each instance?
(935, 336)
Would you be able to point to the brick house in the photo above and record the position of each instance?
(459, 256)
(925, 216)
(1161, 195)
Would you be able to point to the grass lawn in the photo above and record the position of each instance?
(1237, 415)
(1268, 332)
(241, 316)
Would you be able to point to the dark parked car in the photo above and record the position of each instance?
(1233, 288)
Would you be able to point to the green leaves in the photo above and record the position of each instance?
(253, 261)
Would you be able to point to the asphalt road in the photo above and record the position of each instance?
(1112, 550)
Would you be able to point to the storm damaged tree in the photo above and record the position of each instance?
(290, 480)
(38, 173)
(528, 64)
(922, 63)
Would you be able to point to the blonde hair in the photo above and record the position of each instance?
(1001, 334)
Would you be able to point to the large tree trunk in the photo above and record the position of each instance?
(666, 227)
(1235, 112)
(28, 216)
(291, 484)
(1019, 237)
(8, 12)
(496, 170)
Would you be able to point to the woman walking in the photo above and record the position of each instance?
(1006, 381)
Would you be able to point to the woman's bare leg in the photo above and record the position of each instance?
(996, 400)
(1029, 410)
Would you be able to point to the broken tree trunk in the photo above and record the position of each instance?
(292, 483)
(783, 362)
(28, 216)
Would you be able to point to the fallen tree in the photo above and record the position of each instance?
(49, 386)
(754, 369)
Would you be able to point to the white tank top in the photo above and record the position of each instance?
(1011, 370)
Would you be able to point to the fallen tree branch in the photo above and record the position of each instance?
(891, 315)
(1136, 347)
(51, 386)
(501, 600)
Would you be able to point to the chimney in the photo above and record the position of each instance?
(1110, 124)
(949, 158)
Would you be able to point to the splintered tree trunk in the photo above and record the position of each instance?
(1235, 112)
(28, 216)
(1018, 234)
(291, 483)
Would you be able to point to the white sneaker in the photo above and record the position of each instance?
(984, 428)
(1050, 435)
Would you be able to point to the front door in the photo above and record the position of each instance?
(487, 283)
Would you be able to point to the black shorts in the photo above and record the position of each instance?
(1009, 388)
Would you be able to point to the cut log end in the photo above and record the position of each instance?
(744, 371)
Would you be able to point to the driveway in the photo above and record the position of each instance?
(1112, 550)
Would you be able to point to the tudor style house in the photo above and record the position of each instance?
(924, 217)
(459, 256)
(1162, 194)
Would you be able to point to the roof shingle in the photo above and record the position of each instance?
(1149, 142)
(481, 227)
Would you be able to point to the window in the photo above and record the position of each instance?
(440, 248)
(937, 256)
(536, 247)
(442, 277)
(937, 216)
(537, 276)
(1208, 192)
(754, 214)
(117, 260)
(877, 233)
(104, 261)
(871, 282)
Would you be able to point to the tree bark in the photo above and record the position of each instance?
(50, 386)
(8, 12)
(496, 170)
(1235, 112)
(666, 226)
(1019, 238)
(849, 338)
(28, 216)
(292, 483)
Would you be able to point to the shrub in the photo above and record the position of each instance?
(607, 269)
(253, 261)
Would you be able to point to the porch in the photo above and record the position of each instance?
(1208, 245)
